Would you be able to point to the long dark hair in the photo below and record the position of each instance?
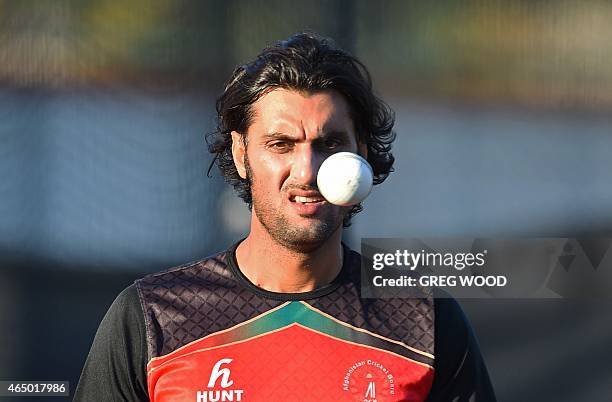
(304, 62)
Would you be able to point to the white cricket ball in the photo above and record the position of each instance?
(345, 179)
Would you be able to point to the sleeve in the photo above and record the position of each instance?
(115, 369)
(460, 371)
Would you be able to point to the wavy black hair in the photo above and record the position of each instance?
(310, 63)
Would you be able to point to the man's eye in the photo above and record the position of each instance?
(279, 145)
(332, 143)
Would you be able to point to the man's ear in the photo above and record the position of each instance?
(238, 153)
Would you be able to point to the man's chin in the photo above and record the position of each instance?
(299, 233)
(308, 238)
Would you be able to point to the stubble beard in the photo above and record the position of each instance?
(278, 226)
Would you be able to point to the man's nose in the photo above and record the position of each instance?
(306, 166)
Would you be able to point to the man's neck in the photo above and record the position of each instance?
(277, 268)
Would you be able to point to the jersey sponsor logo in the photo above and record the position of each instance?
(369, 381)
(224, 394)
(224, 373)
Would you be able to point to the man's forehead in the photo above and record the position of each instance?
(327, 109)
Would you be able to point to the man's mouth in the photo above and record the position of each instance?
(306, 200)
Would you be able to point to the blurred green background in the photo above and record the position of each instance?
(504, 129)
(552, 54)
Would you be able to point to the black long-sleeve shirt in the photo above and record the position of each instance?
(150, 327)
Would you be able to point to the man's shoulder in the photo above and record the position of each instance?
(214, 267)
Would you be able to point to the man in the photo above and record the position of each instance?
(278, 316)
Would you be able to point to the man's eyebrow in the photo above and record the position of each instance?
(277, 135)
(335, 133)
(338, 135)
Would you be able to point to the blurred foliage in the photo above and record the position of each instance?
(533, 52)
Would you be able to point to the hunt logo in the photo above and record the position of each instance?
(224, 394)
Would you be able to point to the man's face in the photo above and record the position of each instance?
(290, 136)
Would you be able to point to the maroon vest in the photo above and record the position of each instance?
(214, 336)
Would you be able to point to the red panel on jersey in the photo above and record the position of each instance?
(294, 363)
